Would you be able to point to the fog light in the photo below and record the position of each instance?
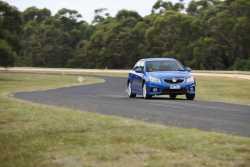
(155, 89)
(191, 89)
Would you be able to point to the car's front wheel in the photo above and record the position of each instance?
(145, 93)
(190, 96)
(129, 91)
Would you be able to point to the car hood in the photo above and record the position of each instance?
(170, 74)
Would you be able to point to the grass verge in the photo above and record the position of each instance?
(223, 89)
(42, 136)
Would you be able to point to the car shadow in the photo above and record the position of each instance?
(164, 98)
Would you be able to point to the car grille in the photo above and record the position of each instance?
(174, 80)
(169, 91)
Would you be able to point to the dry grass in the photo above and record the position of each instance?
(223, 89)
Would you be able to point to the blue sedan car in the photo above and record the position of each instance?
(160, 76)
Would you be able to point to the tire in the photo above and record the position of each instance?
(144, 92)
(190, 96)
(172, 96)
(129, 91)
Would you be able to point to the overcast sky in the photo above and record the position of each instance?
(87, 7)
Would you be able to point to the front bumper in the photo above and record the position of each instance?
(164, 89)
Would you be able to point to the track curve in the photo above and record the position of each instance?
(110, 98)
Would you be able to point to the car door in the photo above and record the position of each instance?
(132, 78)
(138, 78)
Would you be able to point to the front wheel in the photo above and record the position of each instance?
(144, 92)
(129, 91)
(190, 96)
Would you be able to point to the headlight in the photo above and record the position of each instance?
(190, 79)
(155, 80)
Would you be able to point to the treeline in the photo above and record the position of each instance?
(205, 34)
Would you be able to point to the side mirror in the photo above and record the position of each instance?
(139, 70)
(188, 69)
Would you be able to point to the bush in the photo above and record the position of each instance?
(7, 56)
(242, 64)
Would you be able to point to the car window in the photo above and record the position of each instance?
(136, 65)
(139, 64)
(142, 64)
(163, 65)
(137, 68)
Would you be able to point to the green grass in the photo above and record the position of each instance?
(44, 136)
(223, 89)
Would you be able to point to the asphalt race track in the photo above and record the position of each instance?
(110, 98)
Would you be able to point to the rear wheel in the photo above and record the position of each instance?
(190, 96)
(129, 91)
(172, 96)
(144, 92)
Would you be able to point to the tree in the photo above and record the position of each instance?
(198, 7)
(162, 6)
(10, 25)
(207, 54)
(6, 54)
(115, 42)
(170, 35)
(35, 14)
(68, 18)
(207, 34)
(242, 64)
(100, 15)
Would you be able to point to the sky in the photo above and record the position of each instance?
(87, 7)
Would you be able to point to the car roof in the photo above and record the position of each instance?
(157, 59)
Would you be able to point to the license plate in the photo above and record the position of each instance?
(175, 87)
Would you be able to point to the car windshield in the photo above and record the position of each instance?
(163, 65)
